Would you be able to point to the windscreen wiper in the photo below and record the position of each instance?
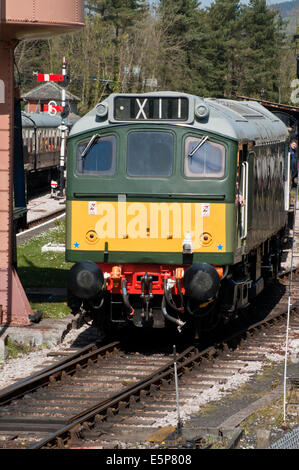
(203, 140)
(92, 141)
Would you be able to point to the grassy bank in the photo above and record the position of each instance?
(49, 270)
(37, 269)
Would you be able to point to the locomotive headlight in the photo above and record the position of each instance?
(101, 110)
(206, 239)
(91, 236)
(202, 111)
(187, 243)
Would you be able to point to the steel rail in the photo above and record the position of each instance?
(117, 399)
(148, 385)
(56, 371)
(37, 226)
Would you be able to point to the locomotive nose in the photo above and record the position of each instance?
(85, 280)
(201, 282)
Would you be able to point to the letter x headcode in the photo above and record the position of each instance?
(141, 108)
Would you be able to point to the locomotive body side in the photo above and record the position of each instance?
(154, 218)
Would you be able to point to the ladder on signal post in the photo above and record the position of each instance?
(292, 284)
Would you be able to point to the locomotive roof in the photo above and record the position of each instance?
(238, 120)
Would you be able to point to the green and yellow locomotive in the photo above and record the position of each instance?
(176, 208)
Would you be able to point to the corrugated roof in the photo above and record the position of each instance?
(40, 120)
(48, 91)
(270, 104)
(46, 120)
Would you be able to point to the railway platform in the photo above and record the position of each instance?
(46, 333)
(43, 207)
(41, 211)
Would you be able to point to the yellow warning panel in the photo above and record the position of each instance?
(146, 226)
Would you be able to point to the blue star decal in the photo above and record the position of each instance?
(76, 245)
(220, 247)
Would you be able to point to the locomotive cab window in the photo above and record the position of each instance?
(150, 154)
(203, 158)
(100, 159)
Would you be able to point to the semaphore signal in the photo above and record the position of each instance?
(64, 79)
(64, 109)
(46, 77)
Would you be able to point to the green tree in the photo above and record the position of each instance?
(228, 49)
(181, 21)
(223, 47)
(31, 56)
(121, 15)
(263, 43)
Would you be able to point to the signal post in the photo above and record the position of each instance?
(52, 108)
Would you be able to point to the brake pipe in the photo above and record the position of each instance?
(177, 321)
(126, 297)
(169, 300)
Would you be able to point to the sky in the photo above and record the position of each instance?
(206, 3)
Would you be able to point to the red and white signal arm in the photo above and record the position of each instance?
(53, 108)
(49, 77)
(53, 77)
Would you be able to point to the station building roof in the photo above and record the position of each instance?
(273, 107)
(48, 91)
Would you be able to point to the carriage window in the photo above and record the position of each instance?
(100, 159)
(208, 161)
(150, 154)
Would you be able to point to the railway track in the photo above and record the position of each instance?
(135, 413)
(104, 393)
(46, 218)
(64, 389)
(42, 213)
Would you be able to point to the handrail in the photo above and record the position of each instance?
(244, 210)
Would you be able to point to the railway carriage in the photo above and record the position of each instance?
(37, 140)
(41, 148)
(176, 209)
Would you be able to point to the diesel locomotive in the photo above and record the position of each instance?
(176, 209)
